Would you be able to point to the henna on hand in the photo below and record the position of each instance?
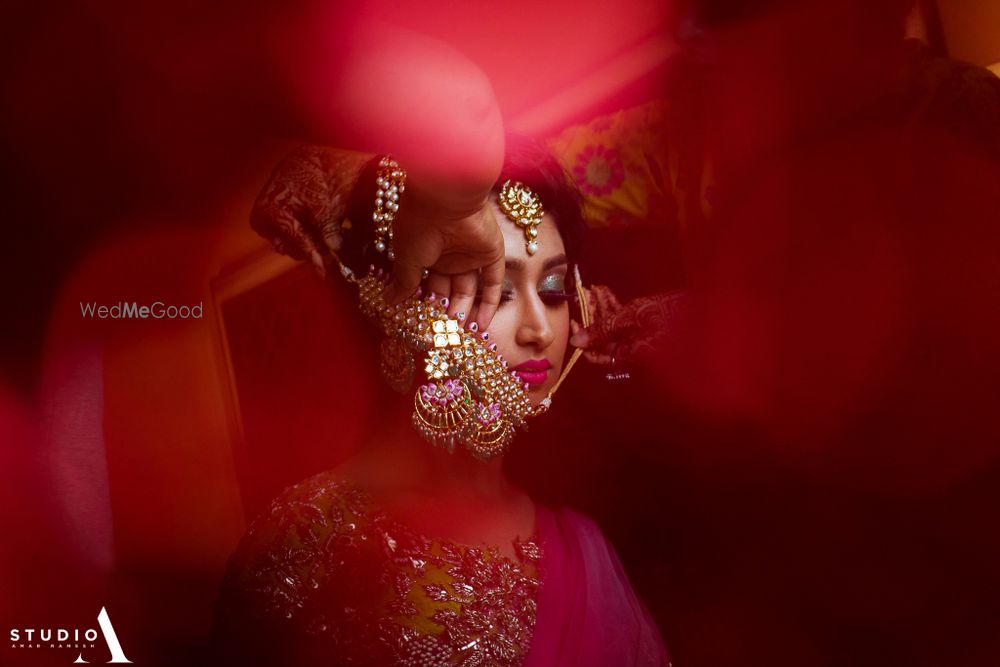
(302, 206)
(631, 331)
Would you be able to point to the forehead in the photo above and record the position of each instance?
(550, 242)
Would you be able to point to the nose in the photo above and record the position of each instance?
(534, 329)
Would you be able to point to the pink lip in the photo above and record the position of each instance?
(533, 371)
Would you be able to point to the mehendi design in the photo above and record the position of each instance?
(637, 329)
(302, 206)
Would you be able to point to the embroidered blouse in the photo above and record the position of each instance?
(324, 577)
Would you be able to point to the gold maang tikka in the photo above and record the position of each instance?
(470, 396)
(520, 203)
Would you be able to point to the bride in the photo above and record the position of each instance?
(418, 551)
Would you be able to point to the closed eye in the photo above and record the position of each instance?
(555, 298)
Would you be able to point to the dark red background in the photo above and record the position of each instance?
(808, 476)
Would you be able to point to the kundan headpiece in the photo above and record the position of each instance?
(523, 207)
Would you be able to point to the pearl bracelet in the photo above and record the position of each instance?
(390, 181)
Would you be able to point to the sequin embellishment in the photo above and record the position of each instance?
(322, 564)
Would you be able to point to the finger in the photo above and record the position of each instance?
(492, 277)
(595, 336)
(290, 234)
(605, 301)
(330, 234)
(405, 280)
(317, 262)
(439, 283)
(580, 338)
(603, 334)
(293, 244)
(612, 299)
(463, 294)
(598, 358)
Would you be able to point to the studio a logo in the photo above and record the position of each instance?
(62, 638)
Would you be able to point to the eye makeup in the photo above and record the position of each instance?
(506, 292)
(555, 282)
(551, 289)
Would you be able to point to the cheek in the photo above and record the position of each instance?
(502, 330)
(559, 321)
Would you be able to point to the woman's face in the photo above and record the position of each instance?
(531, 327)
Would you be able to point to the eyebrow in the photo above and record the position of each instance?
(551, 262)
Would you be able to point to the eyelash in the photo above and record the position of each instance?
(548, 297)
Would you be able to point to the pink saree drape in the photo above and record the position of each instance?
(588, 615)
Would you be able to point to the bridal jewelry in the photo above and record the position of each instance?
(524, 208)
(390, 180)
(470, 397)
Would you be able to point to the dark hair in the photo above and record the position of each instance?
(525, 160)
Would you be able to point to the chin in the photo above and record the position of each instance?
(536, 394)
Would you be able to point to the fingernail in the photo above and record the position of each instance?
(444, 302)
(473, 327)
(460, 316)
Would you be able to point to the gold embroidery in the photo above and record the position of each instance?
(323, 563)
